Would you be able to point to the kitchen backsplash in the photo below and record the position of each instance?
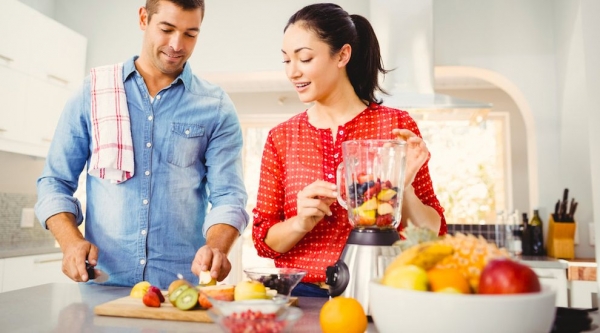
(11, 233)
(487, 231)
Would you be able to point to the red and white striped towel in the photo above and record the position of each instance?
(112, 154)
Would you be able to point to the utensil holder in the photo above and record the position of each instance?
(561, 239)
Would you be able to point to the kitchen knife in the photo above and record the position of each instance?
(97, 275)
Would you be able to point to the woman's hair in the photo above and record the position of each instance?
(152, 5)
(336, 27)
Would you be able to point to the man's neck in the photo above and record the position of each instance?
(155, 80)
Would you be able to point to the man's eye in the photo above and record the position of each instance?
(191, 36)
(166, 30)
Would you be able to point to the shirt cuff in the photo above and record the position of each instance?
(46, 208)
(234, 216)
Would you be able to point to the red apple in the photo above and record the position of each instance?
(506, 276)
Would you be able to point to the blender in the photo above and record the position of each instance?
(370, 184)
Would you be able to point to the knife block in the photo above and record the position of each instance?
(561, 239)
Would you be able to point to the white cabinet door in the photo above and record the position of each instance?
(13, 87)
(556, 279)
(15, 41)
(43, 110)
(60, 54)
(29, 271)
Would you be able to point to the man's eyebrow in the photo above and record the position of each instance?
(298, 49)
(173, 26)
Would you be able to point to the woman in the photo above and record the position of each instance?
(333, 60)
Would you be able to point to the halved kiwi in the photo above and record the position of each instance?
(187, 299)
(177, 292)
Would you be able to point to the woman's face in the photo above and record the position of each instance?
(309, 65)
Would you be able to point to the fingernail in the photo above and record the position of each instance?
(329, 213)
(334, 193)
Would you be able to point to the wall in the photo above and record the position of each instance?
(537, 44)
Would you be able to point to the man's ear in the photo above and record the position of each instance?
(344, 55)
(143, 13)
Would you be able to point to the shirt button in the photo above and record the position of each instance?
(341, 132)
(149, 144)
(329, 176)
(157, 96)
(145, 201)
(150, 118)
(144, 232)
(143, 261)
(147, 173)
(187, 132)
(336, 155)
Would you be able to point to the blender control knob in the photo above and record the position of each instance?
(337, 277)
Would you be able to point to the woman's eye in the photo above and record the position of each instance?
(306, 60)
(286, 61)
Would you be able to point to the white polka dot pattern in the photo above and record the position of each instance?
(295, 155)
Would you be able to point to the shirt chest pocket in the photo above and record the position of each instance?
(186, 144)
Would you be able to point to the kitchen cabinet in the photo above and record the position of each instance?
(41, 64)
(29, 271)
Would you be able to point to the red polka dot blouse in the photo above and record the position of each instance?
(295, 155)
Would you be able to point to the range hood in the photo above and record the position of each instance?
(405, 33)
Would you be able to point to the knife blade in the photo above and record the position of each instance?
(97, 275)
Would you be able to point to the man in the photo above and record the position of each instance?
(185, 153)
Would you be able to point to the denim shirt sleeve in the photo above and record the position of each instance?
(66, 159)
(228, 195)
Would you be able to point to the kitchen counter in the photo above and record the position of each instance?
(66, 308)
(543, 262)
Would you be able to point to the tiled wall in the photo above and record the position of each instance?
(11, 233)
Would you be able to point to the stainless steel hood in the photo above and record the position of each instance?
(405, 32)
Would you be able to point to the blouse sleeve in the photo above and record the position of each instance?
(270, 200)
(423, 184)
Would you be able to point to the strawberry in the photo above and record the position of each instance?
(151, 299)
(383, 220)
(372, 191)
(158, 292)
(363, 178)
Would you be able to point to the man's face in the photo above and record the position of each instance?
(169, 36)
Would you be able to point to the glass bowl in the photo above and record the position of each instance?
(281, 279)
(254, 316)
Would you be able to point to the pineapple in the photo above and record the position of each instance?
(415, 235)
(470, 256)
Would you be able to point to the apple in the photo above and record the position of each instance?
(249, 290)
(205, 279)
(220, 292)
(410, 277)
(506, 276)
(139, 289)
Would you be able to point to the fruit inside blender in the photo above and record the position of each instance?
(373, 202)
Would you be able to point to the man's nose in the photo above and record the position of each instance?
(176, 42)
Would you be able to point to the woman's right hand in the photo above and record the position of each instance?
(313, 204)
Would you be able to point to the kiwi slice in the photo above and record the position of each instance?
(187, 299)
(175, 294)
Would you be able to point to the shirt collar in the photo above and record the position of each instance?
(185, 76)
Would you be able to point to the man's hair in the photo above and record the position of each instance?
(152, 5)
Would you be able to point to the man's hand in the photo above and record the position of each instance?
(213, 255)
(213, 259)
(76, 249)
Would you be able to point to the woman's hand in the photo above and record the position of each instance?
(416, 153)
(313, 204)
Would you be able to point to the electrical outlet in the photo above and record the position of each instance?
(592, 233)
(27, 218)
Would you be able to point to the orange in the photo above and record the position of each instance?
(343, 315)
(448, 280)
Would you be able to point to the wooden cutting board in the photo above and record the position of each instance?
(130, 307)
(134, 308)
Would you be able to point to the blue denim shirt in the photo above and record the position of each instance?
(187, 150)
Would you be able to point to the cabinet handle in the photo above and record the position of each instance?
(59, 79)
(44, 261)
(5, 58)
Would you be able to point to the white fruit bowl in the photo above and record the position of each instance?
(398, 310)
